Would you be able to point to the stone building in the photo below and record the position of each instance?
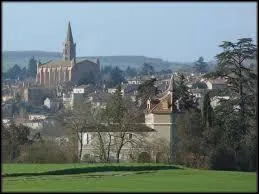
(158, 114)
(67, 69)
(158, 126)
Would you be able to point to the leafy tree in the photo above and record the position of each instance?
(200, 66)
(13, 138)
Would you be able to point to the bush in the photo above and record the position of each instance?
(195, 161)
(162, 157)
(44, 152)
(88, 158)
(144, 157)
(222, 158)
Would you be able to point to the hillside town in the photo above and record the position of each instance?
(131, 97)
(57, 87)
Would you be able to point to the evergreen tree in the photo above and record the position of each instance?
(200, 66)
(207, 111)
(32, 67)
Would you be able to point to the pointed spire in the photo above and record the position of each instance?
(69, 33)
(69, 51)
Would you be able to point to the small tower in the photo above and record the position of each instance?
(69, 51)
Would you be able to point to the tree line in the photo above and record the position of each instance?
(224, 137)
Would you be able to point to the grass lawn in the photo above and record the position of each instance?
(122, 177)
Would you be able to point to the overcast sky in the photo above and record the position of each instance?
(171, 31)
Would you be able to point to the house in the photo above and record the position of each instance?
(158, 114)
(36, 125)
(37, 117)
(52, 103)
(218, 83)
(113, 90)
(134, 81)
(67, 100)
(89, 146)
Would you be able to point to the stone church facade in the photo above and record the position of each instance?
(68, 69)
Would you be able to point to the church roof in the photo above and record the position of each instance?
(63, 63)
(57, 63)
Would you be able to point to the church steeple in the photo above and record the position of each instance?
(69, 51)
(69, 33)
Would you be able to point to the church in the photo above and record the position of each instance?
(68, 69)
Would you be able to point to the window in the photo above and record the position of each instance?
(164, 105)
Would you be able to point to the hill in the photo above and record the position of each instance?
(10, 58)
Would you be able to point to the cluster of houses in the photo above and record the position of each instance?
(38, 103)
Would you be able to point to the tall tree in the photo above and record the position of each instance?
(182, 95)
(234, 119)
(77, 121)
(240, 78)
(200, 66)
(207, 110)
(32, 67)
(146, 90)
(123, 117)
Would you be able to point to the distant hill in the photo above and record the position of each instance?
(21, 58)
(10, 58)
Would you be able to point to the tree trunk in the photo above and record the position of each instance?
(102, 150)
(108, 151)
(81, 146)
(118, 154)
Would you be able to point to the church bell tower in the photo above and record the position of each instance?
(69, 51)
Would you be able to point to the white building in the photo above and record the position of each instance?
(33, 117)
(215, 101)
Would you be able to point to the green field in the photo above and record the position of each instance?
(123, 177)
